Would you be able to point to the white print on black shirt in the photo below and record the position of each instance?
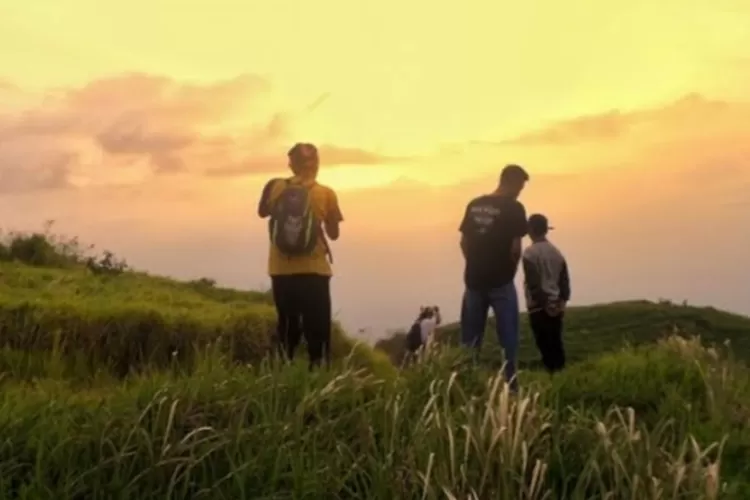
(484, 216)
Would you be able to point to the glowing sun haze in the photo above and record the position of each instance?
(150, 127)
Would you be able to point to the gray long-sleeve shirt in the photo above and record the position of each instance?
(546, 277)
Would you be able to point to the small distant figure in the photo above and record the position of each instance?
(491, 233)
(547, 287)
(422, 331)
(303, 216)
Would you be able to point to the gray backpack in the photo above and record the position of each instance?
(294, 227)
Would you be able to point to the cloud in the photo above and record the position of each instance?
(605, 126)
(8, 86)
(334, 155)
(130, 128)
(689, 111)
(693, 139)
(688, 160)
(330, 155)
(253, 165)
(51, 173)
(640, 171)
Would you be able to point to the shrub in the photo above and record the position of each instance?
(51, 250)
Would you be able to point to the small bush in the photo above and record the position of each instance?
(203, 283)
(47, 249)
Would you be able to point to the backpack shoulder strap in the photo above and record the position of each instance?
(307, 184)
(322, 234)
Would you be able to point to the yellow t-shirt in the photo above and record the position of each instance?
(326, 207)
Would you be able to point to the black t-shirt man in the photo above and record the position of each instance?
(490, 225)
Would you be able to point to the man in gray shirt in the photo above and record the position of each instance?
(547, 288)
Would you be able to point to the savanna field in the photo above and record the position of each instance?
(117, 384)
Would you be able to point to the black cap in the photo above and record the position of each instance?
(538, 224)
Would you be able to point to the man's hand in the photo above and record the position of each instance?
(555, 308)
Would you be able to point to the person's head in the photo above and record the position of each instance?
(303, 159)
(513, 178)
(425, 312)
(538, 227)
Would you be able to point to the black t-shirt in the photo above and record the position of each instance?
(490, 225)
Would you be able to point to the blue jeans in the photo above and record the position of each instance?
(504, 303)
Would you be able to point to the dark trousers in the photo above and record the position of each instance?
(303, 306)
(548, 336)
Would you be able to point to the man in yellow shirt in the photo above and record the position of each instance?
(303, 213)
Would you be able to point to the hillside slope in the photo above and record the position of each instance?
(601, 328)
(128, 320)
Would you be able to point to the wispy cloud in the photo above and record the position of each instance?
(7, 86)
(669, 162)
(605, 126)
(336, 155)
(132, 127)
(51, 173)
(686, 113)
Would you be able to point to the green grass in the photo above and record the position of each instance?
(46, 283)
(677, 427)
(116, 384)
(103, 317)
(597, 329)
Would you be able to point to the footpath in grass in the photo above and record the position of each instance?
(667, 421)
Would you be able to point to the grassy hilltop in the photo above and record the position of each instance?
(598, 329)
(100, 316)
(117, 384)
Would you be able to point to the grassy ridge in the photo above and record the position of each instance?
(140, 288)
(125, 321)
(55, 296)
(598, 329)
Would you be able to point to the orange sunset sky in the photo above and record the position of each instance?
(149, 128)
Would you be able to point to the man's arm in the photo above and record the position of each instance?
(333, 217)
(515, 249)
(533, 278)
(263, 209)
(520, 228)
(463, 228)
(564, 283)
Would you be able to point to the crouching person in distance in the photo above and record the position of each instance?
(422, 331)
